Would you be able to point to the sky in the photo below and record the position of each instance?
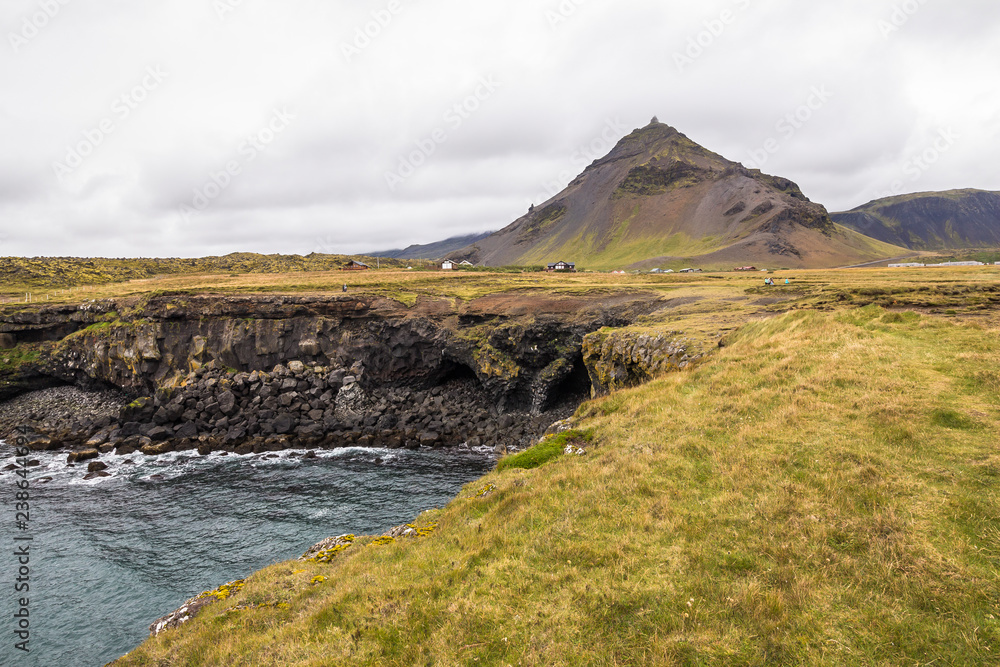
(187, 128)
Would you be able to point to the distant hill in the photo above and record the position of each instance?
(439, 250)
(660, 199)
(955, 219)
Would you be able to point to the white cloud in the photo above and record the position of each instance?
(562, 81)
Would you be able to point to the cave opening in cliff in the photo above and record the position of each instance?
(45, 335)
(572, 389)
(455, 371)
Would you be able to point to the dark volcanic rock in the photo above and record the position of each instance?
(78, 457)
(318, 372)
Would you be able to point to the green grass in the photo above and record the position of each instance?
(22, 354)
(545, 451)
(822, 491)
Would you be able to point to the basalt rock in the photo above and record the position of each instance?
(261, 373)
(79, 457)
(620, 359)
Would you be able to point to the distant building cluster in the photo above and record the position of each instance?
(916, 265)
(451, 265)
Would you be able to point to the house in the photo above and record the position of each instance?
(448, 265)
(567, 267)
(745, 268)
(687, 270)
(466, 262)
(355, 266)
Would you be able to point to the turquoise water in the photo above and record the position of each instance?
(110, 556)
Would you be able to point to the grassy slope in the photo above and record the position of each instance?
(823, 491)
(847, 247)
(956, 195)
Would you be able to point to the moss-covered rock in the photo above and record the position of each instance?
(620, 359)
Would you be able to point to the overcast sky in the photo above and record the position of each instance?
(197, 127)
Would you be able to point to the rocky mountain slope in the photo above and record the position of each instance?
(955, 219)
(660, 199)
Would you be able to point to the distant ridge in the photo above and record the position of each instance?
(660, 199)
(950, 220)
(438, 250)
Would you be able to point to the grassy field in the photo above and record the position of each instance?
(41, 276)
(821, 491)
(962, 287)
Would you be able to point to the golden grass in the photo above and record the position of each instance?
(823, 491)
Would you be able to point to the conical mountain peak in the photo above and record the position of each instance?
(660, 199)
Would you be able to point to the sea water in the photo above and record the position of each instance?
(111, 555)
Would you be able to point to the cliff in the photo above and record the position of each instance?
(254, 373)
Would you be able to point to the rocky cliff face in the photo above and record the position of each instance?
(264, 372)
(620, 359)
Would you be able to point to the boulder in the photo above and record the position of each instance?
(98, 439)
(136, 442)
(159, 433)
(156, 450)
(310, 347)
(97, 466)
(284, 423)
(296, 367)
(39, 442)
(85, 455)
(227, 403)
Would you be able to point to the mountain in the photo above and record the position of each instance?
(439, 250)
(955, 219)
(660, 199)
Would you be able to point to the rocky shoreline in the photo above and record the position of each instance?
(269, 373)
(58, 409)
(291, 407)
